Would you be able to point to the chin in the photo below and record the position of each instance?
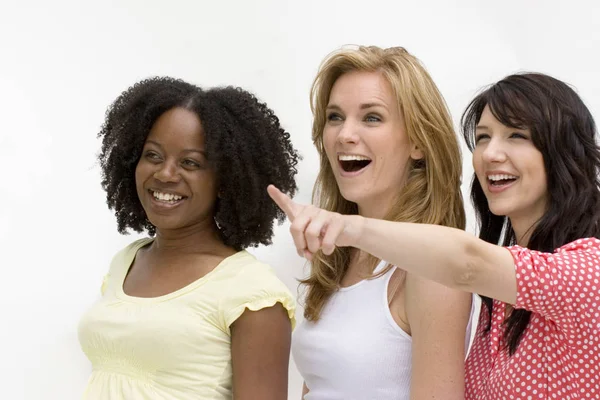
(163, 224)
(354, 195)
(499, 210)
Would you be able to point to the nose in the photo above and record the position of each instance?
(167, 172)
(348, 133)
(494, 152)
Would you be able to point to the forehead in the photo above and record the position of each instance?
(360, 87)
(489, 120)
(487, 117)
(178, 127)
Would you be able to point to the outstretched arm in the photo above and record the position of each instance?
(449, 256)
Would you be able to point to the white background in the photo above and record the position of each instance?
(62, 63)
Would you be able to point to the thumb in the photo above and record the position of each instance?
(283, 201)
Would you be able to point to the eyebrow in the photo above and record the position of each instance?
(363, 106)
(372, 105)
(184, 151)
(481, 127)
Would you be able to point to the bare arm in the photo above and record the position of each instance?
(438, 317)
(452, 257)
(260, 349)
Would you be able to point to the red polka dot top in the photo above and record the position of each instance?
(558, 356)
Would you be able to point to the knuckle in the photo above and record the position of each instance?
(313, 231)
(295, 228)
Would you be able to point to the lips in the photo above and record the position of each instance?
(353, 163)
(501, 179)
(165, 200)
(166, 196)
(498, 182)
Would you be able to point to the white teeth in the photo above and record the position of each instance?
(501, 177)
(351, 157)
(166, 196)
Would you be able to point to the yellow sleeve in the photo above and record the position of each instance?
(254, 288)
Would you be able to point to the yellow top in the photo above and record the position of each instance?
(176, 346)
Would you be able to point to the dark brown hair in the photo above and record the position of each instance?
(563, 130)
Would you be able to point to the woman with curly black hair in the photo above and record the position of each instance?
(187, 313)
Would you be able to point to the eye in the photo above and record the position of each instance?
(373, 118)
(152, 155)
(333, 116)
(190, 163)
(481, 136)
(518, 135)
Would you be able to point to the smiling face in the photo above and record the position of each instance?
(175, 184)
(366, 142)
(510, 170)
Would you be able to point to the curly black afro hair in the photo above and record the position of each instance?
(245, 144)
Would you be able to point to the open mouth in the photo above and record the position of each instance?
(353, 163)
(167, 198)
(501, 180)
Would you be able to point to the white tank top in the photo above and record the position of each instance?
(356, 350)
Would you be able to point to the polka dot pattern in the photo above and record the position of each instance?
(559, 354)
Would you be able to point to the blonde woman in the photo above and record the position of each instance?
(388, 151)
(536, 193)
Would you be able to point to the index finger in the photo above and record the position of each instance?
(283, 201)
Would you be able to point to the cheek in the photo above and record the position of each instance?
(394, 153)
(535, 166)
(144, 170)
(205, 183)
(329, 144)
(477, 163)
(475, 159)
(391, 145)
(542, 180)
(138, 174)
(328, 137)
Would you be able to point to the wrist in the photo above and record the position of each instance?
(356, 230)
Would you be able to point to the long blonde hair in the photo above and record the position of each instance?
(432, 191)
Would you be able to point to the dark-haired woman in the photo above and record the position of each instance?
(537, 263)
(187, 313)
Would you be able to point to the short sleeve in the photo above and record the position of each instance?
(255, 288)
(562, 286)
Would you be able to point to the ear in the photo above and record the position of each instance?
(416, 153)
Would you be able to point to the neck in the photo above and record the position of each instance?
(359, 263)
(523, 228)
(198, 238)
(376, 209)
